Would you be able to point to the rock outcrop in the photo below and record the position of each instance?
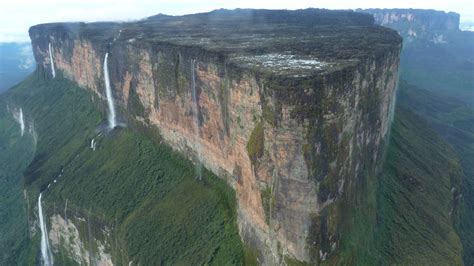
(64, 235)
(293, 107)
(416, 23)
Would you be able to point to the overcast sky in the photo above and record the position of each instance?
(16, 16)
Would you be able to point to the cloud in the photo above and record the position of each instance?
(26, 57)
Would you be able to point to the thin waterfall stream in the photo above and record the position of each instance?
(108, 91)
(20, 119)
(22, 122)
(46, 254)
(53, 71)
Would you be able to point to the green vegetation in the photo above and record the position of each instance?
(59, 113)
(268, 202)
(454, 122)
(144, 192)
(358, 219)
(444, 68)
(135, 107)
(417, 211)
(255, 145)
(446, 73)
(414, 214)
(294, 262)
(16, 153)
(439, 59)
(268, 115)
(415, 196)
(250, 257)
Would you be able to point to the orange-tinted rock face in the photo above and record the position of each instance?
(84, 67)
(292, 149)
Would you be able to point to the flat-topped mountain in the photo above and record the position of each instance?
(291, 108)
(437, 55)
(280, 41)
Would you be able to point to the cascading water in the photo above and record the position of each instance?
(46, 254)
(108, 92)
(93, 144)
(22, 122)
(196, 118)
(51, 60)
(18, 116)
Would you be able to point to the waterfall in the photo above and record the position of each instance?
(46, 254)
(51, 60)
(108, 92)
(22, 122)
(18, 116)
(197, 139)
(93, 144)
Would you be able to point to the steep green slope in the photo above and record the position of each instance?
(454, 122)
(440, 58)
(143, 192)
(415, 198)
(16, 152)
(160, 212)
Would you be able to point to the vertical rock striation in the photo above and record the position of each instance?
(292, 107)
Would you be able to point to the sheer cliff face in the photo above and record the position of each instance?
(293, 132)
(416, 23)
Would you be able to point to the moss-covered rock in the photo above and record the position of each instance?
(256, 143)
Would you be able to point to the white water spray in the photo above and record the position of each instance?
(22, 122)
(108, 92)
(196, 118)
(46, 254)
(93, 144)
(51, 60)
(18, 116)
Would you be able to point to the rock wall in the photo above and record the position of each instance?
(416, 23)
(66, 238)
(293, 148)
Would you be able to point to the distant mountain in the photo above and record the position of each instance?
(438, 58)
(437, 55)
(415, 23)
(16, 62)
(453, 121)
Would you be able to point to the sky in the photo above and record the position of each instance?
(18, 15)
